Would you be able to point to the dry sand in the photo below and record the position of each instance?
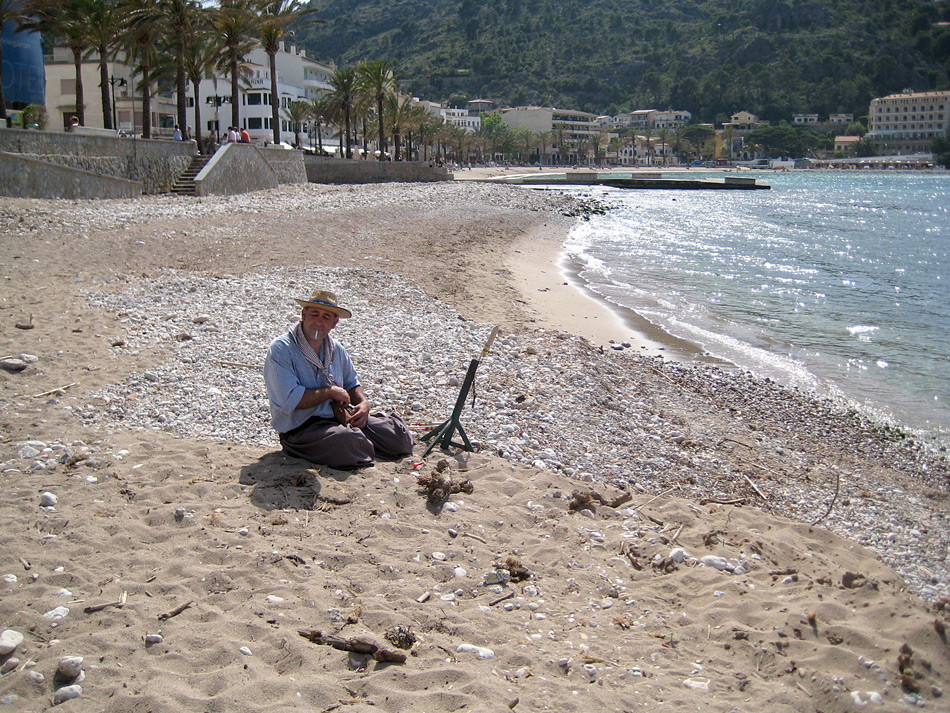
(229, 552)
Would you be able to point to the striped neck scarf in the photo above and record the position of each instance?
(328, 348)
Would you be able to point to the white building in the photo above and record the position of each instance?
(462, 118)
(908, 122)
(567, 129)
(61, 95)
(299, 78)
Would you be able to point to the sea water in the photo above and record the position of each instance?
(837, 283)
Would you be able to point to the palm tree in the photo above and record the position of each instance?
(544, 140)
(297, 113)
(180, 20)
(235, 26)
(378, 80)
(341, 99)
(277, 16)
(199, 64)
(103, 27)
(141, 29)
(526, 137)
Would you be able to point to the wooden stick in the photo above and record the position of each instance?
(678, 531)
(118, 604)
(175, 612)
(755, 487)
(53, 391)
(238, 363)
(655, 497)
(509, 595)
(474, 537)
(832, 503)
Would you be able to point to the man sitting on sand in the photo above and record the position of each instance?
(317, 405)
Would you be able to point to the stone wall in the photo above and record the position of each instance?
(25, 177)
(236, 168)
(338, 170)
(288, 165)
(154, 163)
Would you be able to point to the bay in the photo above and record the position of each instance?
(834, 282)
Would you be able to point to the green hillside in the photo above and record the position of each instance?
(711, 57)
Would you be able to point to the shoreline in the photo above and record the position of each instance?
(550, 283)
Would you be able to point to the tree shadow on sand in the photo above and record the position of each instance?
(281, 482)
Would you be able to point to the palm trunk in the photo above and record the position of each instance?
(274, 98)
(197, 114)
(80, 95)
(382, 131)
(181, 81)
(104, 87)
(146, 104)
(235, 93)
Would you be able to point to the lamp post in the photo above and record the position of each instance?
(320, 134)
(112, 82)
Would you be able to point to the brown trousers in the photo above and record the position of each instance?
(326, 442)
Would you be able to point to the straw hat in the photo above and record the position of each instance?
(325, 300)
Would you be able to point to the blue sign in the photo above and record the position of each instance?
(24, 78)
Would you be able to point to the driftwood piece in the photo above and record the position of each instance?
(118, 604)
(357, 644)
(175, 612)
(580, 500)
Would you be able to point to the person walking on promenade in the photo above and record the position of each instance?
(317, 405)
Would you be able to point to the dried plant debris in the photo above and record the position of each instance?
(439, 484)
(401, 637)
(356, 644)
(581, 500)
(517, 570)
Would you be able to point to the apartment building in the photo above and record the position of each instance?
(908, 122)
(652, 120)
(61, 95)
(462, 118)
(299, 78)
(567, 128)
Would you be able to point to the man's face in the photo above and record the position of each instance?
(317, 322)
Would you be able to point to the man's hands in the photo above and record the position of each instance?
(351, 408)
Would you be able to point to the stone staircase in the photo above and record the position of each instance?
(185, 184)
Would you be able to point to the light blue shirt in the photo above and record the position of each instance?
(287, 373)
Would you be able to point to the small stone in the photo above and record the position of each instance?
(439, 556)
(273, 599)
(37, 677)
(201, 319)
(10, 664)
(246, 651)
(479, 651)
(678, 555)
(66, 693)
(697, 684)
(9, 640)
(56, 614)
(26, 451)
(720, 563)
(13, 364)
(48, 500)
(70, 666)
(152, 639)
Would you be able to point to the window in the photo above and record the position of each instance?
(67, 86)
(254, 122)
(253, 99)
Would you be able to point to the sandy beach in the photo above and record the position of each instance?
(632, 533)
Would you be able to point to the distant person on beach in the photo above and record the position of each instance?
(317, 405)
(176, 134)
(232, 135)
(245, 137)
(73, 123)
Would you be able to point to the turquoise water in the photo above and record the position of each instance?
(837, 283)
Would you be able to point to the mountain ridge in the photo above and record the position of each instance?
(710, 57)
